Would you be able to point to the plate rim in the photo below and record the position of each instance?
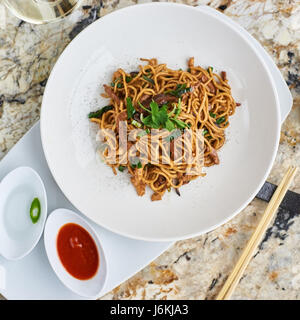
(277, 124)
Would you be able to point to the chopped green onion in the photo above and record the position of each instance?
(204, 132)
(180, 90)
(128, 79)
(35, 210)
(119, 85)
(136, 165)
(121, 168)
(213, 115)
(210, 69)
(98, 114)
(136, 124)
(148, 79)
(220, 120)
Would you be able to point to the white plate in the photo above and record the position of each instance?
(73, 90)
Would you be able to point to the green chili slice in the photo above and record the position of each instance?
(35, 210)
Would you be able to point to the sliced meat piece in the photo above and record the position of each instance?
(191, 62)
(144, 98)
(211, 87)
(156, 197)
(160, 181)
(134, 74)
(122, 116)
(223, 75)
(186, 179)
(136, 117)
(160, 99)
(214, 156)
(139, 185)
(110, 92)
(203, 78)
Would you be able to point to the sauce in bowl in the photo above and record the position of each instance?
(77, 251)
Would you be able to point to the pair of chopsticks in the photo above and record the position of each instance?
(257, 236)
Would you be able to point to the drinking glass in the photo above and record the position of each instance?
(41, 11)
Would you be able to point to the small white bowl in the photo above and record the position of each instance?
(18, 234)
(90, 288)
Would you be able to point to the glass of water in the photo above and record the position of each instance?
(41, 11)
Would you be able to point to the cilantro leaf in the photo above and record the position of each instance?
(170, 125)
(180, 124)
(130, 108)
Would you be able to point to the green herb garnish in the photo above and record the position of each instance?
(35, 210)
(130, 108)
(210, 69)
(220, 120)
(119, 84)
(121, 168)
(213, 115)
(180, 90)
(98, 114)
(136, 165)
(148, 79)
(180, 124)
(159, 117)
(128, 79)
(204, 132)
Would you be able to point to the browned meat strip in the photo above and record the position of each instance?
(161, 180)
(203, 78)
(160, 99)
(156, 197)
(137, 182)
(191, 62)
(211, 87)
(214, 156)
(121, 117)
(109, 91)
(223, 75)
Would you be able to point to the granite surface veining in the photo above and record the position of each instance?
(194, 268)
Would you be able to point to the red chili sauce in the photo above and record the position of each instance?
(77, 251)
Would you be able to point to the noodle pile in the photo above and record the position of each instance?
(195, 103)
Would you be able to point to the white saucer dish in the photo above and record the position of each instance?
(18, 234)
(87, 288)
(73, 90)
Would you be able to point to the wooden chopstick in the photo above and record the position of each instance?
(257, 236)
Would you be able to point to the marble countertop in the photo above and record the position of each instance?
(194, 268)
